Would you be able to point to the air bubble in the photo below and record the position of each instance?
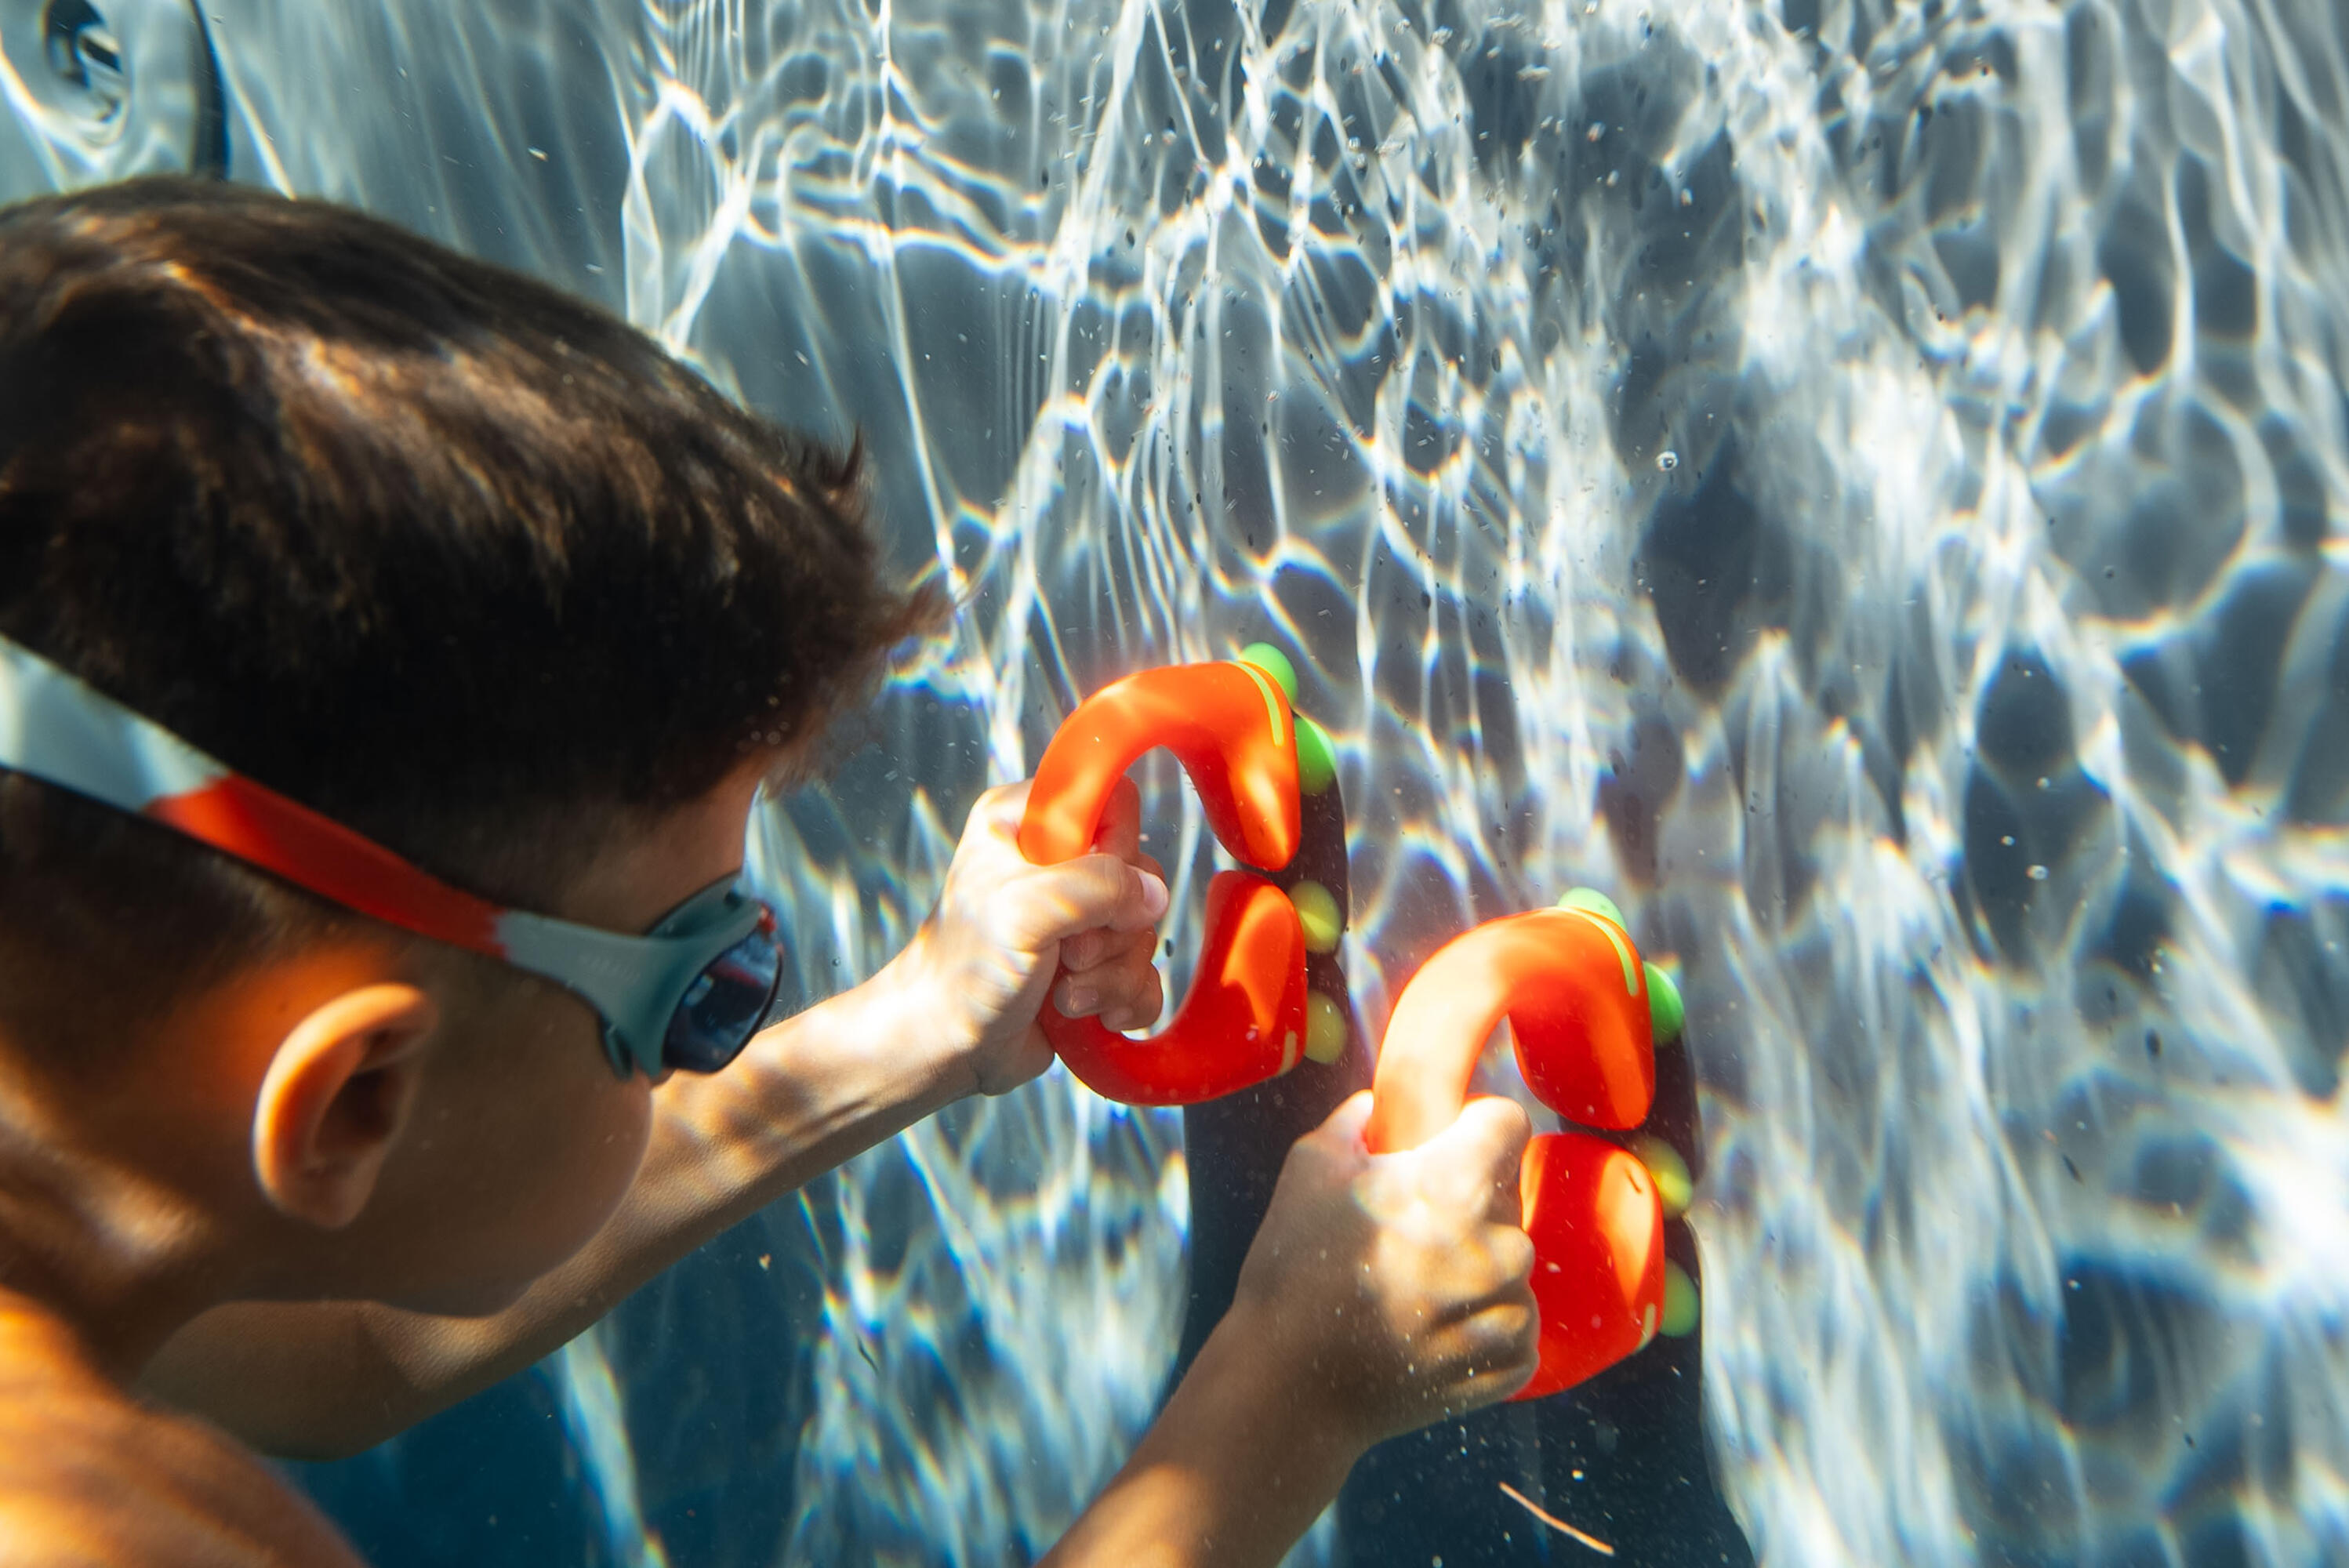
(1667, 460)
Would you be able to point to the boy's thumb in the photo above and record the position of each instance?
(1343, 1126)
(1135, 899)
(1491, 1132)
(1094, 892)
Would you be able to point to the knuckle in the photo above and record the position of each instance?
(1507, 1335)
(1000, 803)
(1498, 1130)
(1021, 910)
(1109, 877)
(1511, 1130)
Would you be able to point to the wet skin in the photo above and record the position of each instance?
(346, 1189)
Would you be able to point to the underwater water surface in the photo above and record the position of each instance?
(1861, 482)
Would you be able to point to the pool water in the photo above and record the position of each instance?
(1861, 481)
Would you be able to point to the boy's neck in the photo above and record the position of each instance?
(98, 1247)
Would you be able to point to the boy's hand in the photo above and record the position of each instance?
(982, 964)
(1391, 1290)
(1383, 1291)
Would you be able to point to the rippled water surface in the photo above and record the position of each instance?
(1861, 481)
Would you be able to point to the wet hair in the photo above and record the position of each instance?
(460, 560)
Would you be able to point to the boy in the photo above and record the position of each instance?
(526, 615)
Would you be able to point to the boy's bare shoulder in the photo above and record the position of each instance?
(88, 1476)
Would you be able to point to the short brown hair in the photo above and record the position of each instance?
(455, 558)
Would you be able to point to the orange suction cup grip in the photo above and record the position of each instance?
(1575, 995)
(1230, 727)
(1227, 724)
(1598, 1231)
(1575, 992)
(1242, 1022)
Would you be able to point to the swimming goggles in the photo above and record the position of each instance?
(686, 996)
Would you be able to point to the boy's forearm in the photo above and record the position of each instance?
(812, 1093)
(319, 1380)
(1232, 1473)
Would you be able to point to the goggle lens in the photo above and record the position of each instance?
(725, 1005)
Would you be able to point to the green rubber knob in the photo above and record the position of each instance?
(1665, 1014)
(1680, 1303)
(1317, 912)
(1597, 902)
(1274, 663)
(1325, 1029)
(1675, 1186)
(1316, 760)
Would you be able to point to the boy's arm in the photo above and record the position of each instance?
(1382, 1292)
(952, 1014)
(1225, 1475)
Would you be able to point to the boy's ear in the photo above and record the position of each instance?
(336, 1097)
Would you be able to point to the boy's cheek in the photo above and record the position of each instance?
(607, 1146)
(535, 1148)
(538, 1208)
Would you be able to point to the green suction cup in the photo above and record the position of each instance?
(1592, 899)
(1274, 663)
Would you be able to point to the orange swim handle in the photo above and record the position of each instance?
(1577, 996)
(1230, 727)
(1227, 724)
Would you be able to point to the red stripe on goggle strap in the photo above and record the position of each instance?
(264, 828)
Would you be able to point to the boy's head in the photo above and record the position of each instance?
(463, 563)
